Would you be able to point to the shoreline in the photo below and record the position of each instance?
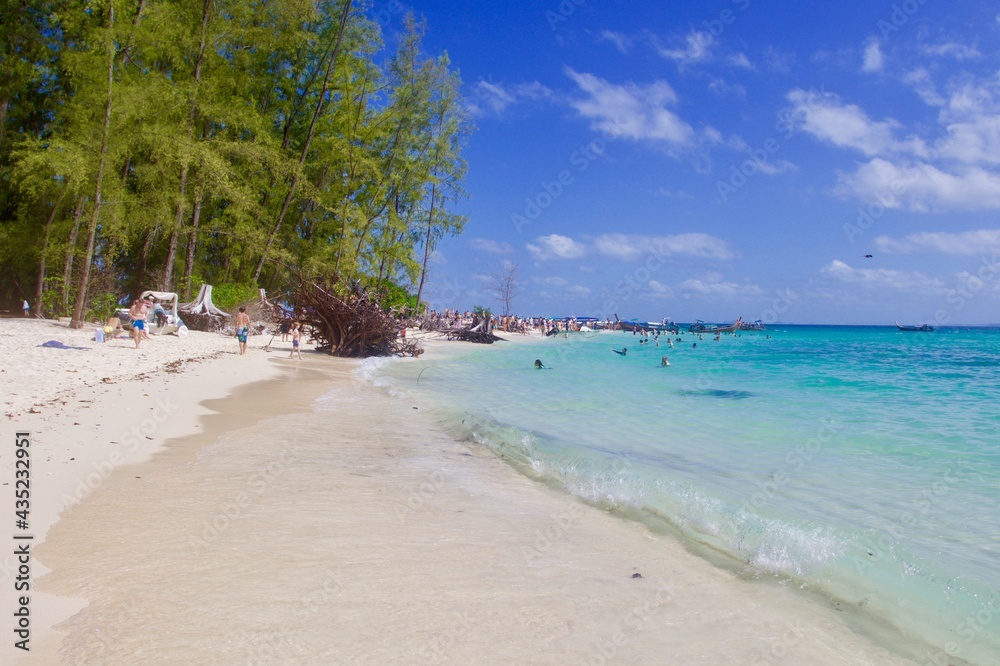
(465, 549)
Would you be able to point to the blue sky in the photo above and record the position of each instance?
(729, 158)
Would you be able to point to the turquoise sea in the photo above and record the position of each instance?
(860, 464)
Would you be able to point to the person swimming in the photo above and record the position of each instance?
(664, 362)
(623, 351)
(539, 365)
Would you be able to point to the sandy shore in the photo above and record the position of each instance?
(91, 413)
(273, 528)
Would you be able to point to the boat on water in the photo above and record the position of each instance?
(924, 328)
(665, 326)
(700, 327)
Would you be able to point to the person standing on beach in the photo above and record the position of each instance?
(242, 329)
(296, 336)
(27, 308)
(137, 315)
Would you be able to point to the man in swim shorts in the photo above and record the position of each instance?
(137, 315)
(242, 329)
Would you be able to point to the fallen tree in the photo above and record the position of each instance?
(480, 330)
(353, 324)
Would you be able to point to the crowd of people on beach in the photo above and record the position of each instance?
(434, 320)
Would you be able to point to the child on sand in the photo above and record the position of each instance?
(296, 334)
(112, 327)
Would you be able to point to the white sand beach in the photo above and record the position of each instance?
(193, 506)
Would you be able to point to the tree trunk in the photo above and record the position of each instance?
(4, 102)
(147, 246)
(192, 243)
(81, 203)
(305, 147)
(40, 287)
(427, 246)
(168, 268)
(81, 297)
(175, 232)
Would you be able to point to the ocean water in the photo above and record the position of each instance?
(860, 464)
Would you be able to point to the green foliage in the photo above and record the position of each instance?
(480, 311)
(52, 304)
(101, 307)
(227, 296)
(395, 297)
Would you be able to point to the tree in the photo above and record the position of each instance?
(450, 126)
(231, 138)
(504, 285)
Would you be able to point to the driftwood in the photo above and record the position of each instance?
(201, 314)
(353, 325)
(480, 330)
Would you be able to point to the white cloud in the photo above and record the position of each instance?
(578, 290)
(740, 60)
(847, 126)
(922, 187)
(957, 171)
(491, 246)
(555, 246)
(696, 47)
(780, 63)
(924, 86)
(674, 194)
(495, 98)
(660, 289)
(621, 42)
(972, 121)
(635, 248)
(630, 247)
(714, 285)
(551, 281)
(873, 59)
(631, 111)
(965, 243)
(953, 50)
(776, 167)
(883, 278)
(721, 88)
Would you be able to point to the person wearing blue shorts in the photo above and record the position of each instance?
(242, 329)
(137, 315)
